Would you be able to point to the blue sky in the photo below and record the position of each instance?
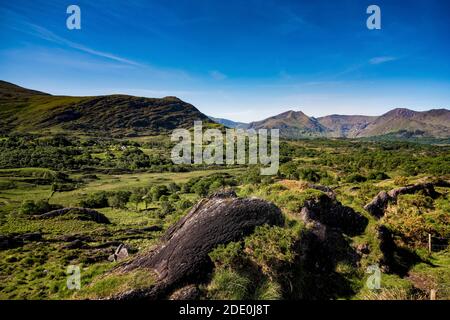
(242, 60)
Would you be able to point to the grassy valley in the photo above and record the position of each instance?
(89, 182)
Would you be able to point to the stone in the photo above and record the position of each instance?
(182, 257)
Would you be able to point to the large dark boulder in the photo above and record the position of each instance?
(333, 214)
(182, 257)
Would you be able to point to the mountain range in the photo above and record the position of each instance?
(29, 111)
(400, 122)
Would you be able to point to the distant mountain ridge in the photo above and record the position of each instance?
(292, 124)
(432, 123)
(400, 121)
(29, 111)
(230, 123)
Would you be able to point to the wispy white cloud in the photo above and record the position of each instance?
(46, 34)
(217, 75)
(357, 67)
(382, 59)
(20, 23)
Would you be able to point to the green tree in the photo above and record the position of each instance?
(173, 187)
(158, 191)
(136, 199)
(119, 199)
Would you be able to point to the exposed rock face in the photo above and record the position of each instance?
(16, 240)
(379, 204)
(329, 191)
(190, 292)
(182, 257)
(333, 214)
(323, 245)
(387, 247)
(121, 253)
(75, 244)
(81, 213)
(395, 259)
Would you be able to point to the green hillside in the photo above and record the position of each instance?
(28, 111)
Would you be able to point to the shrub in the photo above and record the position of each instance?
(158, 191)
(200, 189)
(401, 181)
(38, 207)
(136, 199)
(270, 247)
(309, 175)
(184, 204)
(408, 220)
(166, 207)
(174, 197)
(173, 187)
(95, 200)
(227, 255)
(377, 175)
(252, 175)
(355, 178)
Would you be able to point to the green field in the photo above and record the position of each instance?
(135, 190)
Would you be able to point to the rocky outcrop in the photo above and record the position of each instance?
(182, 257)
(325, 189)
(189, 292)
(378, 204)
(323, 246)
(16, 240)
(387, 248)
(395, 259)
(75, 244)
(119, 254)
(381, 201)
(333, 214)
(79, 213)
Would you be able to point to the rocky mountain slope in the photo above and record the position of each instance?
(292, 124)
(401, 122)
(345, 126)
(434, 123)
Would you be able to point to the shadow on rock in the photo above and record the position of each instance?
(182, 257)
(322, 247)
